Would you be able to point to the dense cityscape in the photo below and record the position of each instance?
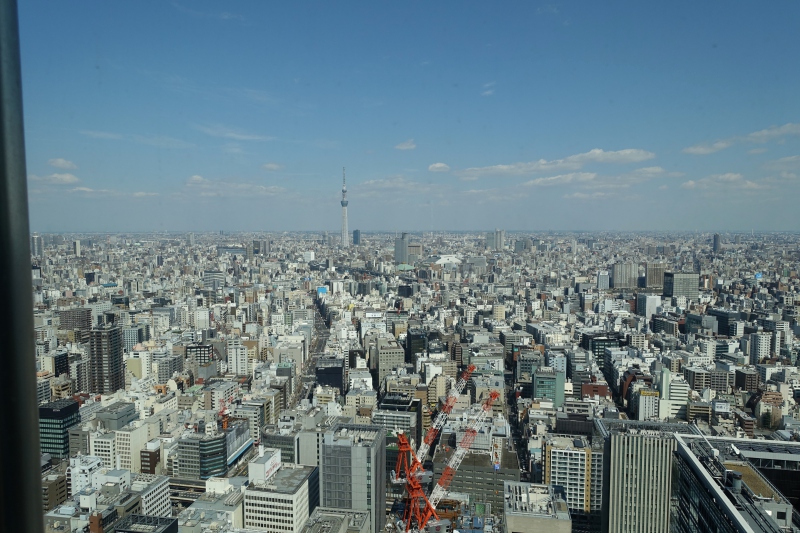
(400, 267)
(367, 382)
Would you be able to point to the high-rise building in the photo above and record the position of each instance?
(37, 245)
(353, 470)
(356, 237)
(55, 420)
(548, 383)
(401, 249)
(573, 463)
(345, 234)
(201, 456)
(715, 490)
(106, 367)
(76, 248)
(760, 344)
(603, 280)
(638, 474)
(654, 274)
(647, 305)
(685, 284)
(717, 246)
(624, 275)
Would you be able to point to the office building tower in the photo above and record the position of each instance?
(624, 275)
(717, 246)
(201, 456)
(654, 274)
(356, 237)
(106, 367)
(37, 245)
(345, 234)
(760, 344)
(54, 491)
(548, 384)
(603, 280)
(717, 489)
(573, 463)
(685, 284)
(647, 305)
(190, 239)
(133, 335)
(638, 473)
(279, 497)
(401, 249)
(76, 248)
(353, 470)
(55, 420)
(237, 357)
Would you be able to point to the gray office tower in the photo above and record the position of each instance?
(401, 249)
(638, 474)
(624, 275)
(718, 489)
(356, 237)
(353, 471)
(682, 284)
(654, 274)
(717, 246)
(106, 367)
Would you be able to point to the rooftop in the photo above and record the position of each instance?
(287, 480)
(532, 500)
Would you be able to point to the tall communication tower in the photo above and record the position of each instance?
(345, 235)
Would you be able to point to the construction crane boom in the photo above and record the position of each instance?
(444, 412)
(440, 490)
(419, 508)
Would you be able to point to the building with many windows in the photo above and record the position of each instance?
(573, 463)
(55, 420)
(353, 470)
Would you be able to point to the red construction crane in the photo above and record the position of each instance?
(420, 509)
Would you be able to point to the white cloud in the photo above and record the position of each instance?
(784, 163)
(56, 179)
(439, 167)
(573, 162)
(406, 145)
(586, 196)
(761, 136)
(562, 179)
(144, 194)
(61, 163)
(207, 187)
(197, 180)
(774, 132)
(730, 181)
(159, 141)
(102, 134)
(218, 130)
(705, 149)
(488, 92)
(755, 151)
(272, 167)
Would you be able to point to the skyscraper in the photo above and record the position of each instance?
(682, 284)
(345, 234)
(37, 245)
(717, 243)
(654, 274)
(401, 249)
(356, 237)
(353, 470)
(624, 275)
(106, 367)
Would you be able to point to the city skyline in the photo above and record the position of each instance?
(544, 117)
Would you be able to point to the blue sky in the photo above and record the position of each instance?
(449, 115)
